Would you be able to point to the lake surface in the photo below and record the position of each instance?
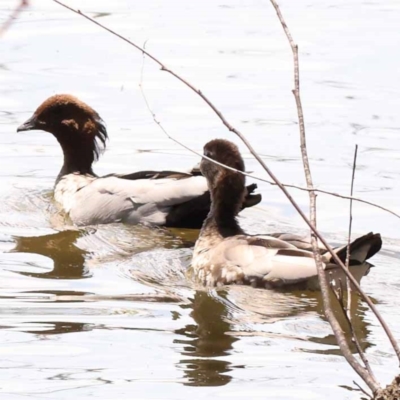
(107, 312)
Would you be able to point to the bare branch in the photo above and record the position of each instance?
(262, 163)
(13, 16)
(351, 215)
(349, 235)
(347, 310)
(341, 339)
(362, 390)
(339, 296)
(337, 195)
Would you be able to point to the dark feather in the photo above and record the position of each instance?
(368, 244)
(151, 175)
(101, 138)
(192, 214)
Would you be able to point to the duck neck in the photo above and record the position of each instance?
(78, 155)
(226, 200)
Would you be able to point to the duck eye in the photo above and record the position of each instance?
(208, 153)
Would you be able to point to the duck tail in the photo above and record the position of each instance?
(251, 199)
(361, 249)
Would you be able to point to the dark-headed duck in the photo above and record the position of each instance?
(161, 198)
(224, 254)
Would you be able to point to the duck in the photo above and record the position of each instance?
(224, 254)
(160, 198)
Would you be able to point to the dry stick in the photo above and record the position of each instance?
(349, 235)
(13, 16)
(362, 390)
(347, 309)
(334, 256)
(164, 68)
(176, 140)
(323, 282)
(338, 195)
(262, 163)
(353, 333)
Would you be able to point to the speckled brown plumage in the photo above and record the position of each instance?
(224, 254)
(227, 187)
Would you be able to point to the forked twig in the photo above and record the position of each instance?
(13, 16)
(262, 163)
(323, 282)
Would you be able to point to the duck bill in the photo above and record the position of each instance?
(28, 125)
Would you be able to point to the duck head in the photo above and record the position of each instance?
(227, 187)
(226, 153)
(77, 127)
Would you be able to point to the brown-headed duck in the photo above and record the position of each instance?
(224, 254)
(165, 198)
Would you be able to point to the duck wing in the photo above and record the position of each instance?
(299, 241)
(259, 261)
(111, 199)
(267, 260)
(361, 249)
(271, 262)
(192, 213)
(152, 175)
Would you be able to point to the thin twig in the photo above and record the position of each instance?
(360, 351)
(362, 390)
(337, 195)
(262, 163)
(13, 16)
(159, 124)
(349, 234)
(347, 310)
(323, 282)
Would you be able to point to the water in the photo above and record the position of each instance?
(107, 312)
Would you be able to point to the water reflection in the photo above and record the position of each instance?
(205, 341)
(266, 306)
(68, 258)
(217, 313)
(57, 327)
(358, 318)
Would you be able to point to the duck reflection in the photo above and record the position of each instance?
(268, 306)
(58, 327)
(206, 341)
(68, 258)
(217, 313)
(358, 314)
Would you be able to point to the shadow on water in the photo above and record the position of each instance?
(206, 340)
(68, 258)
